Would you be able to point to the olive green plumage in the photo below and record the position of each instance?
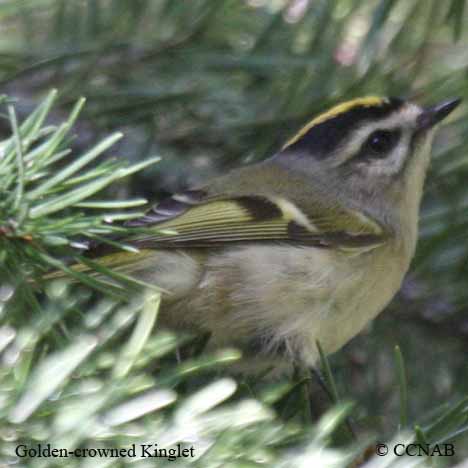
(308, 245)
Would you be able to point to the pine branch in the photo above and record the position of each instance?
(47, 205)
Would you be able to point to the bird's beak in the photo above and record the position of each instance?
(435, 114)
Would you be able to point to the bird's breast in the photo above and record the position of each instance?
(293, 296)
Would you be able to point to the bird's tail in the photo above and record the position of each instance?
(121, 262)
(172, 272)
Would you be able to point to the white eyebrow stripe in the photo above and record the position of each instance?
(406, 115)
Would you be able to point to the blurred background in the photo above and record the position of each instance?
(211, 84)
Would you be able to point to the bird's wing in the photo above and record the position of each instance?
(195, 219)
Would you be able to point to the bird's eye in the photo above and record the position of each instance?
(381, 142)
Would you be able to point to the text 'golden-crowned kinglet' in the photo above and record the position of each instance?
(308, 245)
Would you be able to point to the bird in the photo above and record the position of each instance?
(304, 247)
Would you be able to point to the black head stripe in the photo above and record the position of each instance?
(324, 137)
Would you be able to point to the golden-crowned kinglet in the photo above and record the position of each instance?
(307, 245)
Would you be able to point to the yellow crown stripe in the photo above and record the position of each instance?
(368, 101)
